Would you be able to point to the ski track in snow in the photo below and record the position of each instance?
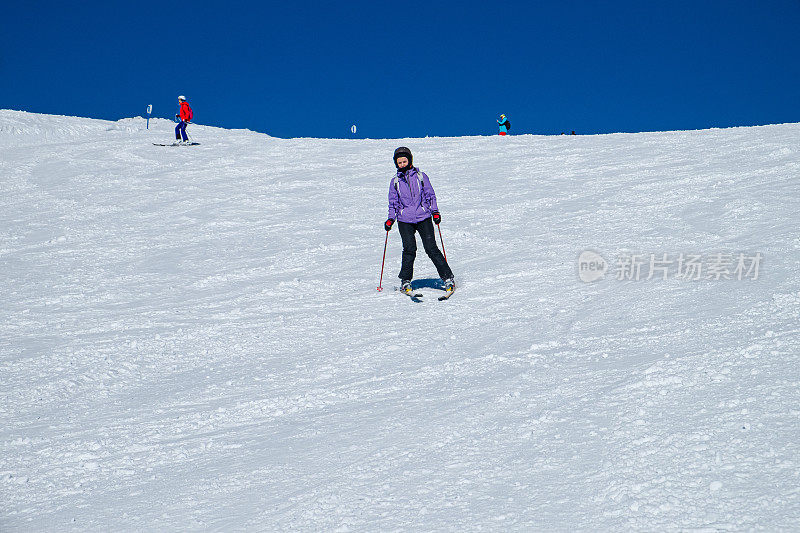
(191, 339)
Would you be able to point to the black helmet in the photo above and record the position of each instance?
(402, 152)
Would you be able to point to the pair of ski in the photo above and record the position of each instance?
(415, 296)
(176, 144)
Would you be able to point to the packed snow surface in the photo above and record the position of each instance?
(191, 337)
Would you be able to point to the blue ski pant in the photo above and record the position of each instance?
(180, 131)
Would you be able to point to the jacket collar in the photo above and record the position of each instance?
(406, 172)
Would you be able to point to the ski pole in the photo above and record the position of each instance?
(380, 283)
(440, 238)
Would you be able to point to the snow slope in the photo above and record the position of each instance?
(191, 339)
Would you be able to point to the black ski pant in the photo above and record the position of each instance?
(425, 229)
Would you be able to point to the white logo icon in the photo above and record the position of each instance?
(591, 266)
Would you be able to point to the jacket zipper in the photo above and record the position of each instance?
(407, 178)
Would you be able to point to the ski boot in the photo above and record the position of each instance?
(405, 286)
(449, 288)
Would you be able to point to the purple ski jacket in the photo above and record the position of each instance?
(409, 200)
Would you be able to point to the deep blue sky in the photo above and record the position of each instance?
(409, 68)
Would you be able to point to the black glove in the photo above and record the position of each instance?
(437, 217)
(388, 224)
(177, 117)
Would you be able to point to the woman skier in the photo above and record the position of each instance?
(184, 116)
(412, 202)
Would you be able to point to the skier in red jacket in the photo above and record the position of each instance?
(184, 116)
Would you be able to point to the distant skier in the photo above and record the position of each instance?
(184, 116)
(503, 124)
(412, 202)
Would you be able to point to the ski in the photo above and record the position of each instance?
(413, 295)
(176, 144)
